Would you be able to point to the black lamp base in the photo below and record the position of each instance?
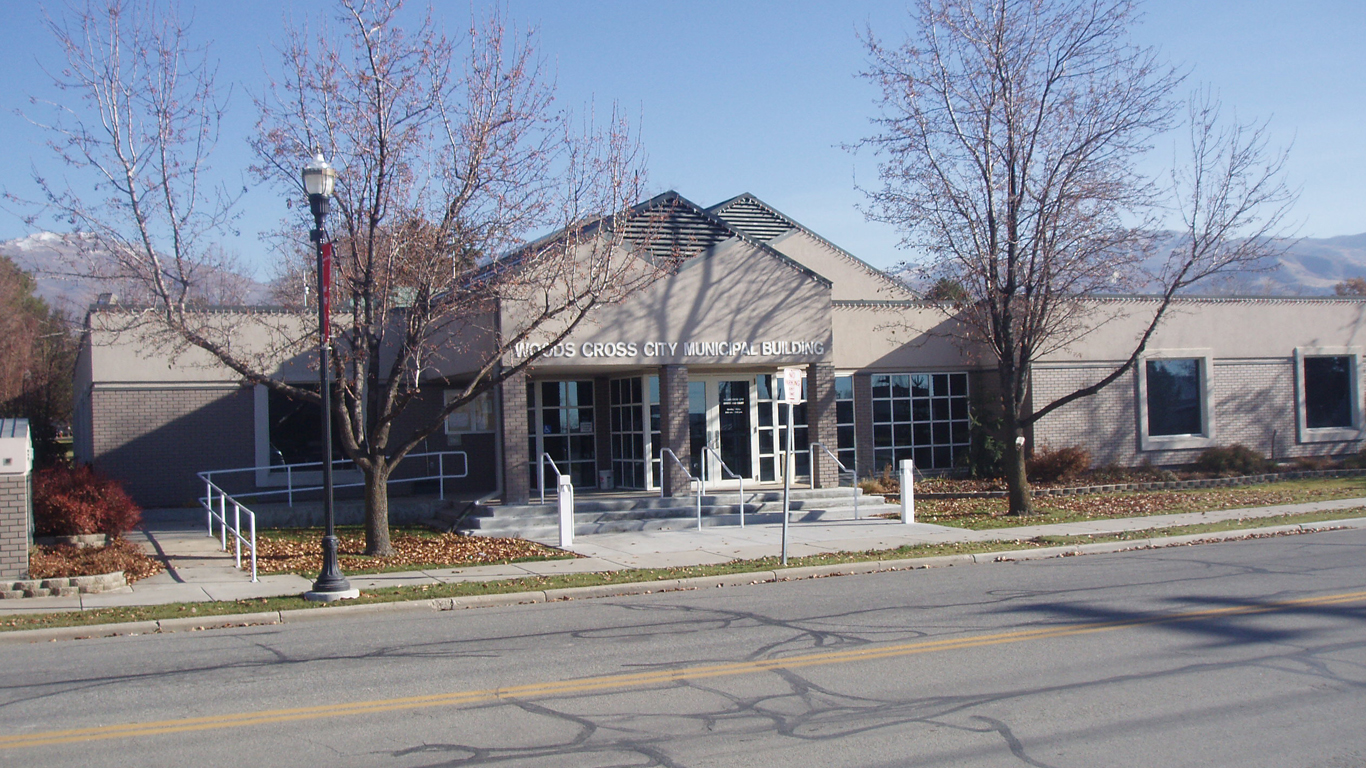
(331, 584)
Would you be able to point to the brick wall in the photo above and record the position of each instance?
(516, 453)
(822, 428)
(673, 423)
(155, 440)
(15, 510)
(1254, 404)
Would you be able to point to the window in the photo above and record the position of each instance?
(844, 419)
(1174, 402)
(560, 414)
(628, 432)
(1327, 393)
(289, 432)
(1174, 397)
(772, 429)
(920, 416)
(474, 416)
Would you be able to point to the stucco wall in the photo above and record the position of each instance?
(733, 292)
(853, 280)
(899, 337)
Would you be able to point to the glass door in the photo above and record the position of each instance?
(721, 418)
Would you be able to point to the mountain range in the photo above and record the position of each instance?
(1309, 267)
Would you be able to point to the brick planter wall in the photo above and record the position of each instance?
(16, 505)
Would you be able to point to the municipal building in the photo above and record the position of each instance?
(693, 364)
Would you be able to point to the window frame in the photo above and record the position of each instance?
(1306, 434)
(1205, 438)
(483, 401)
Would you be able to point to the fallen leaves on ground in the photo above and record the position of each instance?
(65, 560)
(301, 552)
(1122, 504)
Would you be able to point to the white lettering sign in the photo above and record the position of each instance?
(633, 349)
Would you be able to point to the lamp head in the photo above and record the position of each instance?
(319, 178)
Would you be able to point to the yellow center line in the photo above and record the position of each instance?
(637, 679)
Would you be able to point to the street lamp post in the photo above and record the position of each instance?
(319, 180)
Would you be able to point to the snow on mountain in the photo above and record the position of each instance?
(48, 257)
(1309, 267)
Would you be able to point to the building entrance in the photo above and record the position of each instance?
(721, 418)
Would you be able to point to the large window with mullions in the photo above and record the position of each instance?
(561, 419)
(920, 416)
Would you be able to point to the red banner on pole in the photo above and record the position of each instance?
(327, 292)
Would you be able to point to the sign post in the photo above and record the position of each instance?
(792, 394)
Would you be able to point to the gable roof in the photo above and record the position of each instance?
(680, 229)
(763, 222)
(670, 226)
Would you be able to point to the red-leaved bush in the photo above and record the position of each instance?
(75, 501)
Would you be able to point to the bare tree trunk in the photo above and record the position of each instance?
(377, 510)
(1017, 480)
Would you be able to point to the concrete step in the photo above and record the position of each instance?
(548, 532)
(541, 522)
(587, 503)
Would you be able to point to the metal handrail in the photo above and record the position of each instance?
(691, 480)
(222, 515)
(289, 490)
(810, 450)
(540, 474)
(708, 449)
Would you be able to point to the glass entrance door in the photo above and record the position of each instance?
(720, 417)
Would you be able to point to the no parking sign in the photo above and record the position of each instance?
(792, 385)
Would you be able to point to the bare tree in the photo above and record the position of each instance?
(1008, 136)
(451, 155)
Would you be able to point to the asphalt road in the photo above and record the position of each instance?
(1247, 654)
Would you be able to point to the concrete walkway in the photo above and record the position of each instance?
(198, 571)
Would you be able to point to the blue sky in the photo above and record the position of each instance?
(759, 97)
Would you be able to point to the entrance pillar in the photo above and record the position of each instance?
(822, 424)
(673, 428)
(516, 454)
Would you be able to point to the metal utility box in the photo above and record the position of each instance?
(16, 449)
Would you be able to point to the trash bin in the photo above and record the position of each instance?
(605, 481)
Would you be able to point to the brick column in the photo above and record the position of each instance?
(863, 425)
(15, 507)
(673, 428)
(516, 455)
(821, 424)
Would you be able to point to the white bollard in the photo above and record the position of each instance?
(566, 505)
(907, 491)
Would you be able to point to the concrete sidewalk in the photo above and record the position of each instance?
(198, 571)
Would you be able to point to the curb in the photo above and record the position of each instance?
(306, 615)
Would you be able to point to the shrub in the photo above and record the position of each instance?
(1235, 459)
(1356, 460)
(1050, 466)
(888, 482)
(78, 501)
(1311, 463)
